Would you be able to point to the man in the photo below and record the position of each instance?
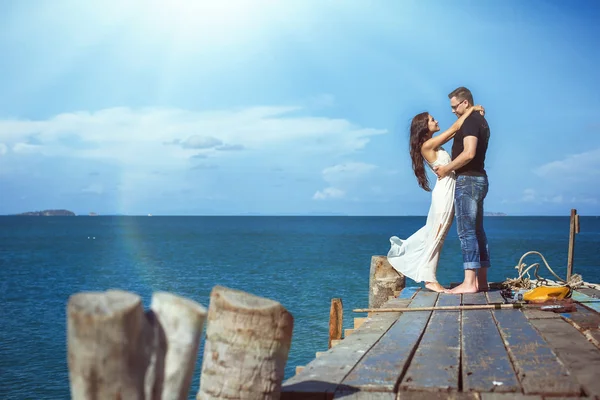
(468, 158)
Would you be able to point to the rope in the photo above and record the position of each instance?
(524, 281)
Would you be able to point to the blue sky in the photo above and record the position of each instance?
(186, 107)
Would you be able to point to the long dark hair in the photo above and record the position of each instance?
(419, 133)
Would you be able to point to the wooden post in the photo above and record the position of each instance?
(248, 339)
(107, 358)
(336, 319)
(573, 229)
(383, 281)
(176, 337)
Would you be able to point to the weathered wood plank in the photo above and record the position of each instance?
(435, 365)
(409, 292)
(413, 395)
(509, 396)
(486, 366)
(494, 297)
(322, 376)
(588, 301)
(536, 364)
(358, 395)
(383, 365)
(587, 322)
(581, 358)
(593, 293)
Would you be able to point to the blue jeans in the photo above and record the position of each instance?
(468, 207)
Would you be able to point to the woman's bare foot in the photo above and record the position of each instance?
(464, 288)
(435, 286)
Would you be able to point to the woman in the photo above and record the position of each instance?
(417, 257)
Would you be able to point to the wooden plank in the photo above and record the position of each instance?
(358, 321)
(536, 364)
(494, 297)
(486, 366)
(322, 376)
(587, 322)
(414, 395)
(581, 358)
(588, 301)
(409, 292)
(509, 396)
(384, 364)
(358, 395)
(439, 351)
(593, 293)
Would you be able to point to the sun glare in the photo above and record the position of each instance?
(204, 18)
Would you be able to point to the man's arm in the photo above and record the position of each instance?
(468, 153)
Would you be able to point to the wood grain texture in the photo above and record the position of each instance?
(581, 358)
(247, 344)
(486, 366)
(324, 375)
(384, 364)
(107, 346)
(176, 338)
(538, 368)
(435, 365)
(384, 280)
(336, 320)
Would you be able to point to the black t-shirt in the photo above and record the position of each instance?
(475, 125)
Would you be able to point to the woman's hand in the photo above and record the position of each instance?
(480, 109)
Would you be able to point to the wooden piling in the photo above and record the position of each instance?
(336, 319)
(573, 230)
(248, 339)
(384, 280)
(106, 345)
(176, 338)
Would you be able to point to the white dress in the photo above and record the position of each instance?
(417, 257)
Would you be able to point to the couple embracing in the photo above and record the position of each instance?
(460, 189)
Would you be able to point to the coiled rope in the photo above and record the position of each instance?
(524, 281)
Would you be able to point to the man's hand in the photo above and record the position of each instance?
(441, 171)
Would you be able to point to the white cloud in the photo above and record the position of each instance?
(528, 195)
(26, 148)
(574, 167)
(343, 178)
(534, 197)
(201, 142)
(138, 137)
(329, 193)
(3, 149)
(161, 148)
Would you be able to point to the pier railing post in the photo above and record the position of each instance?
(107, 356)
(174, 350)
(247, 343)
(384, 280)
(336, 320)
(573, 230)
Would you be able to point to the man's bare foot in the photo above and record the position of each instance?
(435, 286)
(464, 288)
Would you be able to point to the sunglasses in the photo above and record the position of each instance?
(458, 105)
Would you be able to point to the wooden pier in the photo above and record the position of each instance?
(463, 354)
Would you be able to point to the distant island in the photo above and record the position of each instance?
(48, 213)
(494, 214)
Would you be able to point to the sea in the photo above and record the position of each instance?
(301, 262)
